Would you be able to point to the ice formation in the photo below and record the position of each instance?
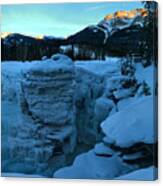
(53, 108)
(46, 131)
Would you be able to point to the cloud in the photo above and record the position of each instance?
(97, 7)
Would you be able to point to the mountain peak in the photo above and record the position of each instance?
(127, 14)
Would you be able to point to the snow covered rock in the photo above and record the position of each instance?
(120, 87)
(129, 126)
(134, 136)
(90, 166)
(127, 145)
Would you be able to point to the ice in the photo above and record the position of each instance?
(90, 79)
(45, 132)
(89, 87)
(11, 76)
(57, 103)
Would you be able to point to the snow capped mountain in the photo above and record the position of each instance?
(110, 35)
(94, 34)
(122, 19)
(112, 25)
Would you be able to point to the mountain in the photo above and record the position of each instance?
(123, 19)
(112, 23)
(117, 34)
(21, 47)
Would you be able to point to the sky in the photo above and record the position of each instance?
(60, 20)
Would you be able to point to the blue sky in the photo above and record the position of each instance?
(57, 19)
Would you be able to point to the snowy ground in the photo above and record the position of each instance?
(103, 100)
(101, 68)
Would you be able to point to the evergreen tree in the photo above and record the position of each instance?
(150, 44)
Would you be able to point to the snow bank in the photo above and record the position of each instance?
(129, 126)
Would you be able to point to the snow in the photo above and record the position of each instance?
(146, 74)
(55, 103)
(132, 156)
(11, 76)
(108, 67)
(123, 93)
(106, 34)
(112, 25)
(90, 80)
(103, 107)
(44, 112)
(129, 126)
(115, 82)
(12, 72)
(57, 63)
(101, 149)
(124, 103)
(97, 167)
(146, 174)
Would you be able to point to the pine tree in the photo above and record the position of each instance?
(150, 44)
